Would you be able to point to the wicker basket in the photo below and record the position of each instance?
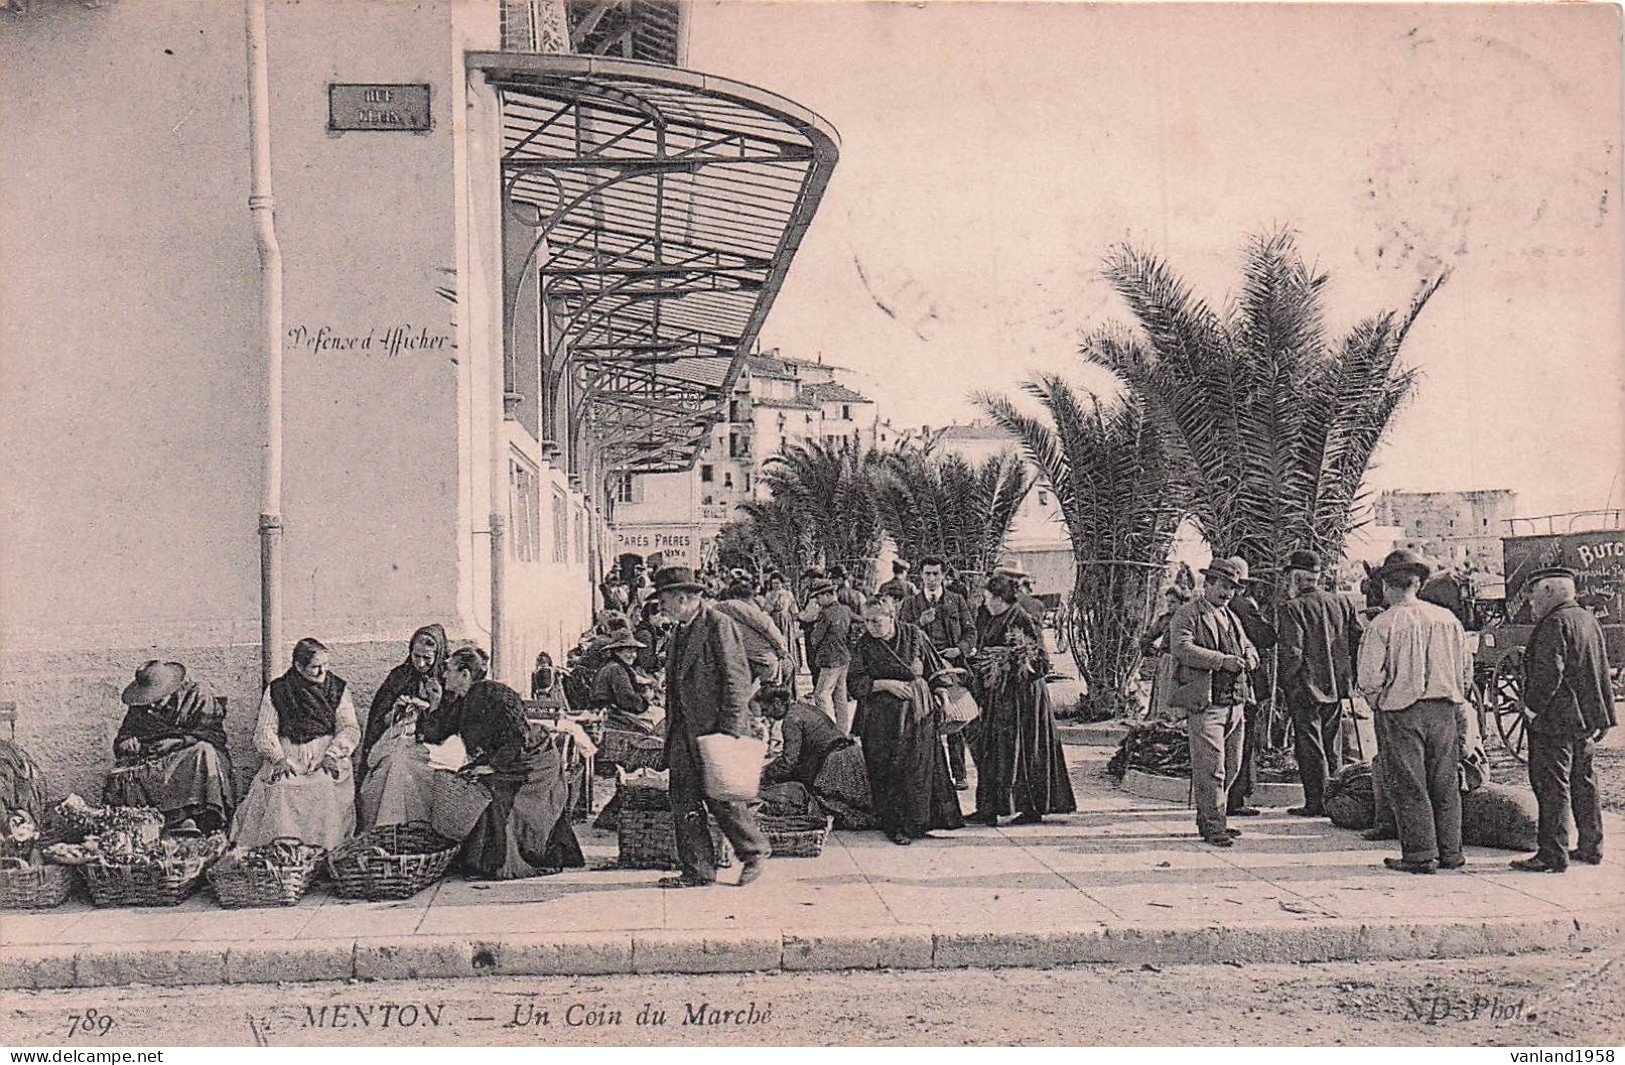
(459, 803)
(390, 862)
(648, 840)
(797, 837)
(631, 750)
(241, 885)
(33, 887)
(159, 883)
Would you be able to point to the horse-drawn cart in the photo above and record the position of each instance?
(1597, 557)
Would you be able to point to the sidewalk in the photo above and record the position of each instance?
(1123, 880)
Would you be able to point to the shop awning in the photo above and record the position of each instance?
(671, 204)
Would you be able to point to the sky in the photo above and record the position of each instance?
(992, 154)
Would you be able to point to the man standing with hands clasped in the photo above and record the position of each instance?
(1413, 670)
(708, 688)
(1320, 638)
(1570, 705)
(1213, 657)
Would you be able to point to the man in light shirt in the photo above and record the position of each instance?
(1413, 670)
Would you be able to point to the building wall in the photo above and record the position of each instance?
(133, 420)
(1462, 529)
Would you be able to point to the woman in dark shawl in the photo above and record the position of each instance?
(306, 733)
(396, 778)
(893, 668)
(411, 687)
(1019, 764)
(525, 831)
(171, 750)
(621, 693)
(818, 764)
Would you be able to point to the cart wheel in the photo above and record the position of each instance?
(1504, 698)
(1063, 625)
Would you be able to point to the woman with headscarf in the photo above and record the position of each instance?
(525, 831)
(818, 764)
(171, 750)
(306, 733)
(396, 779)
(892, 671)
(1019, 764)
(410, 688)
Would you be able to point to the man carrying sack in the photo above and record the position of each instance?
(708, 688)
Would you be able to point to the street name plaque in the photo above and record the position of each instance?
(402, 108)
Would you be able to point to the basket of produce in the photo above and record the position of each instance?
(275, 874)
(797, 837)
(648, 840)
(161, 874)
(631, 750)
(73, 819)
(390, 862)
(32, 883)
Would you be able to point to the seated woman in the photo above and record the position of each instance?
(525, 831)
(306, 733)
(817, 760)
(893, 668)
(171, 750)
(395, 777)
(618, 690)
(547, 686)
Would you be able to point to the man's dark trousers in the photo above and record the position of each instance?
(688, 807)
(1247, 775)
(1564, 778)
(1421, 755)
(1316, 739)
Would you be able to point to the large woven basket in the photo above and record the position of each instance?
(390, 862)
(237, 884)
(648, 840)
(168, 882)
(797, 837)
(459, 803)
(36, 886)
(631, 750)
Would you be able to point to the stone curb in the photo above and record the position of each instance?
(703, 951)
(1105, 734)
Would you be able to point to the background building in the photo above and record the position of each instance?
(1461, 529)
(776, 402)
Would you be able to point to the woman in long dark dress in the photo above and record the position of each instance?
(171, 750)
(526, 829)
(893, 668)
(1019, 764)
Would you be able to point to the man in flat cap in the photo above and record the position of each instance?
(1570, 705)
(1213, 657)
(829, 649)
(1319, 641)
(1414, 670)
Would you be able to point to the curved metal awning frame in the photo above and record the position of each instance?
(666, 207)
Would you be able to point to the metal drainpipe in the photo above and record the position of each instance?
(262, 209)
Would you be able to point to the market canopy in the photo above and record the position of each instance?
(670, 204)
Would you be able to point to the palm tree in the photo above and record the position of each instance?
(827, 493)
(771, 533)
(1271, 423)
(943, 505)
(1122, 500)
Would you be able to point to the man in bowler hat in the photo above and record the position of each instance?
(1569, 701)
(1319, 640)
(708, 689)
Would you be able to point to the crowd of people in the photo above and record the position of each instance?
(908, 687)
(1411, 665)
